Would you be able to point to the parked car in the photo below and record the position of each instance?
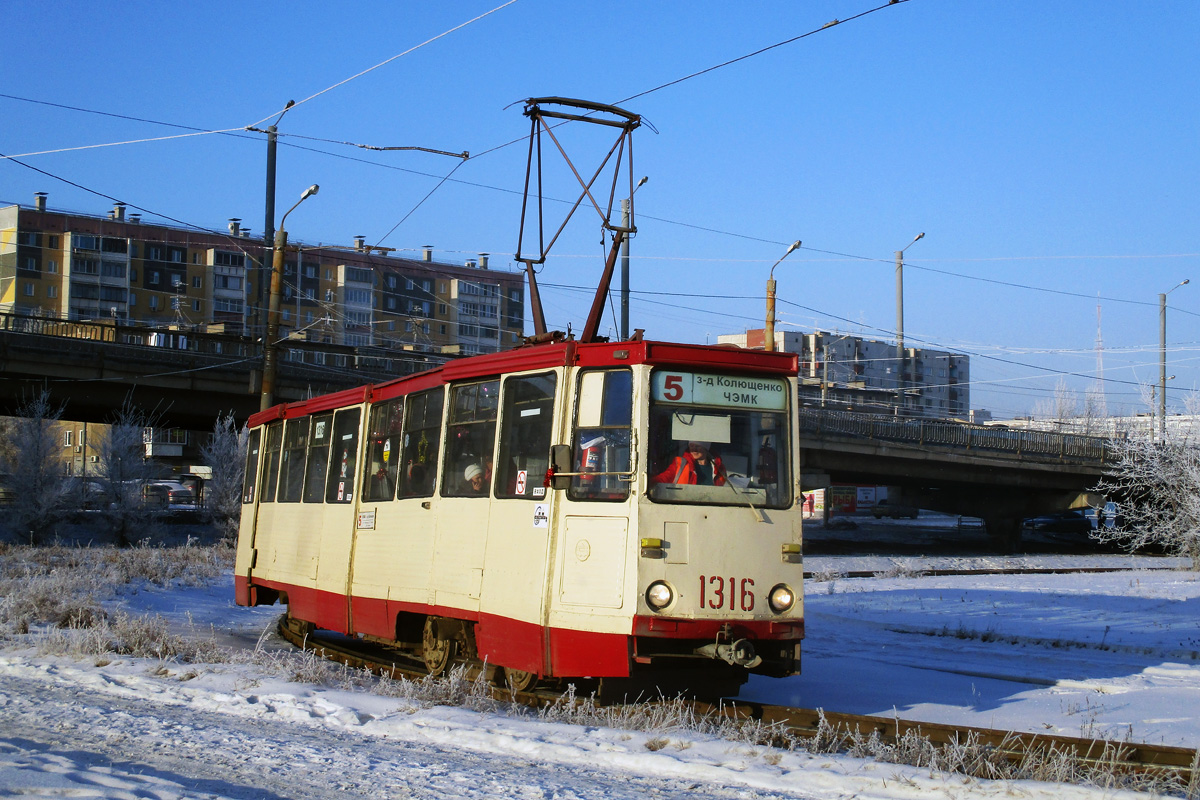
(894, 511)
(1059, 522)
(165, 494)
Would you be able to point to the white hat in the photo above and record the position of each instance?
(472, 471)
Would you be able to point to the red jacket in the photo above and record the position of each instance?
(683, 470)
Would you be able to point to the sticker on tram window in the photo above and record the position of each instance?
(522, 476)
(731, 391)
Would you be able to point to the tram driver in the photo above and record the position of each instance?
(696, 465)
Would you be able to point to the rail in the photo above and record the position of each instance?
(1124, 764)
(959, 436)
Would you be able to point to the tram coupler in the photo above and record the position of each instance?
(739, 652)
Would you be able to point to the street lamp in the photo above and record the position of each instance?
(626, 213)
(270, 357)
(769, 329)
(900, 320)
(1162, 358)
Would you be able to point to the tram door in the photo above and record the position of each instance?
(589, 585)
(511, 630)
(333, 455)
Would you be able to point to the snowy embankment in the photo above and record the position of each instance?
(1029, 652)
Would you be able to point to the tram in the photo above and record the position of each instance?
(527, 510)
(573, 510)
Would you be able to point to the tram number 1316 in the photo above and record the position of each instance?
(731, 593)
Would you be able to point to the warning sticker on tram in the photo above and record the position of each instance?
(522, 475)
(732, 391)
(541, 516)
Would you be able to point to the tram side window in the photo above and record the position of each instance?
(345, 456)
(470, 437)
(604, 413)
(271, 471)
(291, 473)
(251, 478)
(526, 426)
(318, 458)
(383, 451)
(422, 432)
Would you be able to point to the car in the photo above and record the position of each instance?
(165, 494)
(1073, 521)
(894, 511)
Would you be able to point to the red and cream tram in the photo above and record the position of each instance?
(560, 511)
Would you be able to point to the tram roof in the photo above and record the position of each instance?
(725, 358)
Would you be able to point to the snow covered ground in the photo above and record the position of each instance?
(1108, 654)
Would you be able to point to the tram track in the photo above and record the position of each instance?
(901, 569)
(1160, 763)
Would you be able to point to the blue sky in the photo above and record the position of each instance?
(1049, 151)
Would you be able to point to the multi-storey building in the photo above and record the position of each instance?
(843, 370)
(117, 267)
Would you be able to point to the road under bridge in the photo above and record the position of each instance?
(997, 474)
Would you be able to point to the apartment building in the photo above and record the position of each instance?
(62, 265)
(848, 371)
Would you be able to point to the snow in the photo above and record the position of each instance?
(1105, 653)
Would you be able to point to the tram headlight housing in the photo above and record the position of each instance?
(781, 598)
(659, 595)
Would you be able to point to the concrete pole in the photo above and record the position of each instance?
(268, 226)
(900, 329)
(1162, 366)
(769, 327)
(625, 271)
(270, 356)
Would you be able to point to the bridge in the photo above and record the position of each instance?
(187, 378)
(998, 474)
(183, 378)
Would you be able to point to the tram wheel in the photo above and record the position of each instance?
(517, 679)
(436, 651)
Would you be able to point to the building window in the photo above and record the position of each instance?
(52, 242)
(154, 252)
(68, 438)
(132, 299)
(86, 242)
(197, 282)
(195, 305)
(52, 267)
(154, 302)
(153, 277)
(51, 292)
(28, 289)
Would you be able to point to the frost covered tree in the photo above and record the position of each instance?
(225, 453)
(124, 470)
(1156, 481)
(36, 482)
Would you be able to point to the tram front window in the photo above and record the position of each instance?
(718, 439)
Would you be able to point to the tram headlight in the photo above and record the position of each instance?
(659, 595)
(781, 598)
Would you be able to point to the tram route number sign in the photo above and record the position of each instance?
(729, 391)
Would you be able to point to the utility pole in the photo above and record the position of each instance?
(1162, 359)
(269, 216)
(769, 327)
(900, 354)
(270, 354)
(626, 213)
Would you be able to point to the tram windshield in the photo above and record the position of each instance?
(719, 439)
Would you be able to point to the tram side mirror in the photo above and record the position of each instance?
(560, 461)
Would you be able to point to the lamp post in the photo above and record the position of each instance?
(270, 357)
(900, 371)
(626, 213)
(769, 328)
(1162, 358)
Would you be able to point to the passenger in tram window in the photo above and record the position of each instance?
(696, 465)
(474, 476)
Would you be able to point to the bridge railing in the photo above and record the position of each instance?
(355, 364)
(953, 435)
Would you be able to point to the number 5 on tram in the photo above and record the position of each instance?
(620, 512)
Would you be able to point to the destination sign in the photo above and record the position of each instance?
(730, 391)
